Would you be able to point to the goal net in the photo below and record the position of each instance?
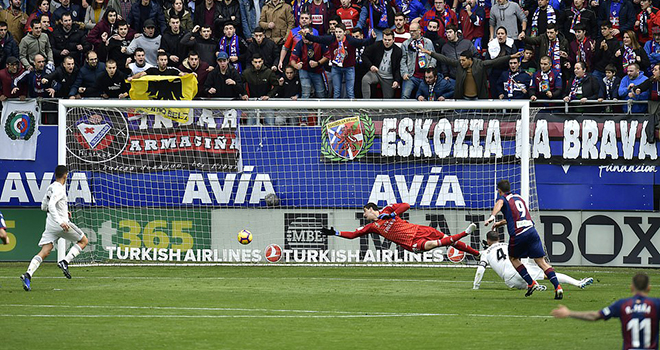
(147, 189)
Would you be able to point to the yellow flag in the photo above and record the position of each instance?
(165, 87)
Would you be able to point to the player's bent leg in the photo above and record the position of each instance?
(552, 277)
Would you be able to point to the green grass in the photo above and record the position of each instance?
(275, 307)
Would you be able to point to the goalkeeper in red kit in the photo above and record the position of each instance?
(415, 238)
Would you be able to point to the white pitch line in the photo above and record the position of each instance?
(270, 316)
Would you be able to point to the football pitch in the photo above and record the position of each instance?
(293, 307)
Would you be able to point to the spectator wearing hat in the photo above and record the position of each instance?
(14, 72)
(148, 41)
(224, 81)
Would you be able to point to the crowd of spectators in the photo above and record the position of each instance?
(410, 49)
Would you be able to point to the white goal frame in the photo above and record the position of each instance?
(522, 105)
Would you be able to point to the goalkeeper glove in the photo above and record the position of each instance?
(387, 216)
(329, 231)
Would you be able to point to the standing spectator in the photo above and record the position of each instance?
(112, 83)
(384, 61)
(376, 15)
(414, 61)
(234, 46)
(15, 19)
(224, 81)
(472, 19)
(320, 13)
(341, 53)
(293, 38)
(579, 13)
(116, 47)
(148, 41)
(85, 84)
(35, 43)
(606, 47)
(193, 64)
(349, 14)
(631, 52)
(7, 44)
(528, 62)
(432, 34)
(514, 83)
(11, 80)
(652, 47)
(502, 46)
(411, 8)
(647, 19)
(546, 82)
(471, 73)
(628, 90)
(277, 20)
(309, 58)
(582, 48)
(200, 41)
(508, 15)
(69, 40)
(230, 13)
(443, 14)
(250, 13)
(95, 12)
(620, 13)
(453, 48)
(289, 86)
(401, 29)
(171, 39)
(360, 68)
(123, 8)
(179, 10)
(539, 19)
(583, 86)
(140, 64)
(434, 88)
(205, 15)
(264, 47)
(63, 78)
(553, 44)
(143, 11)
(36, 85)
(161, 69)
(77, 12)
(261, 83)
(43, 9)
(105, 29)
(611, 84)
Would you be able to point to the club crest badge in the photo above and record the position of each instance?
(348, 138)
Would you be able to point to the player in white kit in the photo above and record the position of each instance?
(496, 256)
(57, 226)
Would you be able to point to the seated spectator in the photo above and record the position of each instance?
(161, 69)
(146, 10)
(193, 64)
(611, 84)
(309, 59)
(15, 19)
(582, 48)
(401, 29)
(264, 47)
(140, 64)
(35, 43)
(528, 61)
(583, 86)
(148, 41)
(8, 44)
(546, 82)
(384, 61)
(414, 61)
(69, 40)
(261, 83)
(170, 41)
(514, 83)
(112, 83)
(85, 84)
(628, 91)
(277, 20)
(289, 85)
(116, 48)
(11, 80)
(631, 52)
(234, 46)
(43, 9)
(94, 13)
(224, 82)
(76, 11)
(63, 78)
(179, 10)
(434, 88)
(200, 41)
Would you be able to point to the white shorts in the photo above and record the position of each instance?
(515, 281)
(53, 233)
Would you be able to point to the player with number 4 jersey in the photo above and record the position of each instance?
(524, 241)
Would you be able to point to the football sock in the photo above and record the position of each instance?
(34, 265)
(73, 252)
(567, 279)
(466, 248)
(447, 240)
(552, 276)
(522, 271)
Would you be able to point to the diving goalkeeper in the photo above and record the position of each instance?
(415, 238)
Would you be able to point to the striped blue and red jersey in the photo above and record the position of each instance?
(639, 321)
(518, 218)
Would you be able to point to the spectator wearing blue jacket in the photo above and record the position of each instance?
(85, 84)
(652, 48)
(514, 83)
(434, 88)
(411, 8)
(627, 89)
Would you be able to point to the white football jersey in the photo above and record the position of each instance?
(56, 202)
(496, 256)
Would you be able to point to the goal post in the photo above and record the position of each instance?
(146, 188)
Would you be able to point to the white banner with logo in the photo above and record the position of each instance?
(20, 129)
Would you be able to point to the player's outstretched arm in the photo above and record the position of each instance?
(330, 231)
(496, 209)
(564, 312)
(3, 236)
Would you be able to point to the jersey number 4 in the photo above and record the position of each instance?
(500, 254)
(637, 326)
